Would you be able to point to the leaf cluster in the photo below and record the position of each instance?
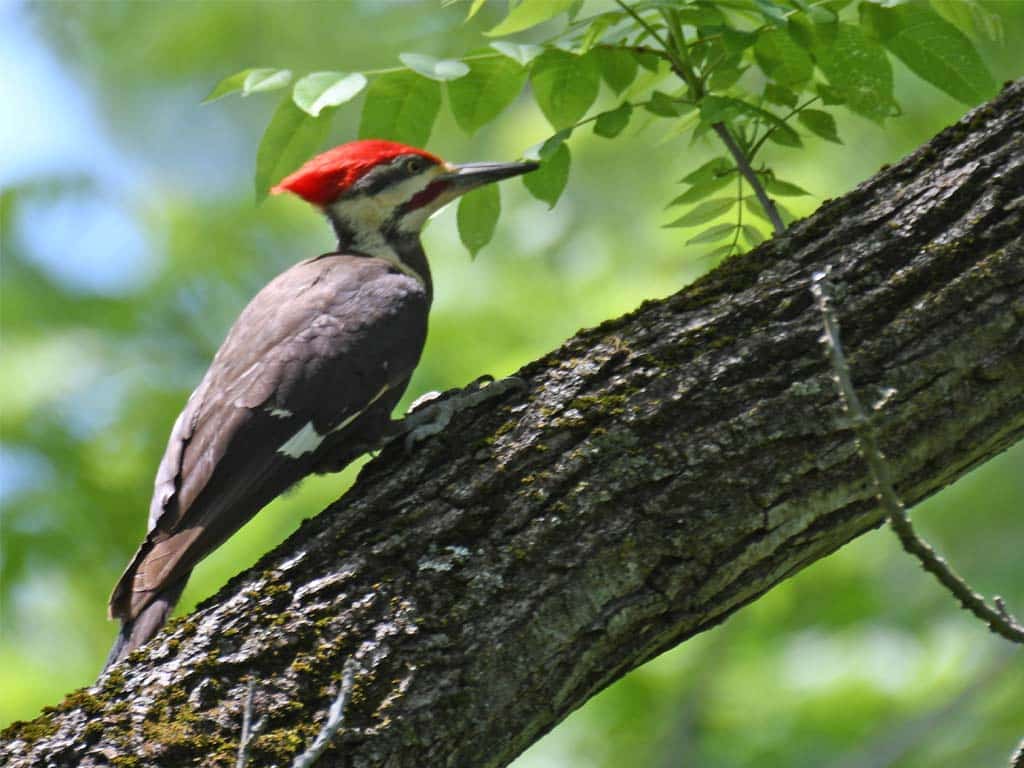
(758, 71)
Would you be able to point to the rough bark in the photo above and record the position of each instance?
(665, 469)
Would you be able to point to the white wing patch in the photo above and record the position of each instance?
(280, 413)
(307, 439)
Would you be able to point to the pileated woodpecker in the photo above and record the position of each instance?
(309, 373)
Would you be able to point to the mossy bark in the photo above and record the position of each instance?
(665, 469)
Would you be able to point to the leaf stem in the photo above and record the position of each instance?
(748, 173)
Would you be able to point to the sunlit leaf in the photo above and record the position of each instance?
(433, 67)
(932, 48)
(261, 80)
(858, 69)
(474, 7)
(706, 211)
(820, 123)
(548, 182)
(318, 90)
(529, 13)
(292, 137)
(523, 53)
(401, 106)
(477, 217)
(610, 124)
(564, 85)
(782, 59)
(479, 97)
(230, 84)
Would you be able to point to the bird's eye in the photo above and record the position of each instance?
(414, 164)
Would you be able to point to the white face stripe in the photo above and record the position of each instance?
(365, 215)
(307, 439)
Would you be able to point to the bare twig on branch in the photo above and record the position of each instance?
(997, 618)
(335, 719)
(249, 731)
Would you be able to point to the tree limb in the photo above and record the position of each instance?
(665, 469)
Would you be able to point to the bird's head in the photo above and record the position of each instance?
(379, 192)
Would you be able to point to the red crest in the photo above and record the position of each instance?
(325, 178)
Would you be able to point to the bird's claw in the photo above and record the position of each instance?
(430, 413)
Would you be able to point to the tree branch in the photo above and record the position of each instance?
(665, 469)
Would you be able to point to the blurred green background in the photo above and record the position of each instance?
(130, 241)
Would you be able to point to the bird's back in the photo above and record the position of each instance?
(317, 359)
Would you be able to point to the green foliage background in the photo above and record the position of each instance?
(860, 660)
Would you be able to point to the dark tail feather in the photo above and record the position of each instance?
(139, 630)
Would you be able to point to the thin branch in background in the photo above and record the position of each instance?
(249, 731)
(335, 719)
(998, 618)
(748, 173)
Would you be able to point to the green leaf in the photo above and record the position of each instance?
(706, 211)
(260, 80)
(523, 53)
(618, 67)
(783, 60)
(548, 182)
(318, 90)
(401, 106)
(820, 123)
(291, 137)
(529, 13)
(545, 149)
(714, 109)
(477, 217)
(564, 85)
(663, 105)
(723, 78)
(480, 96)
(972, 18)
(698, 192)
(776, 94)
(717, 253)
(711, 234)
(932, 48)
(858, 69)
(785, 188)
(815, 30)
(433, 67)
(715, 168)
(610, 124)
(772, 13)
(230, 84)
(752, 235)
(475, 6)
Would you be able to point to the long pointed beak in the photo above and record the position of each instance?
(471, 175)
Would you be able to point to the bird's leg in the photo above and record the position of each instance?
(430, 413)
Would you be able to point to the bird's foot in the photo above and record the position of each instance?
(430, 413)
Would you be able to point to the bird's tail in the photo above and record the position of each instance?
(138, 631)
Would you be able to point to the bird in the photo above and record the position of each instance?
(309, 373)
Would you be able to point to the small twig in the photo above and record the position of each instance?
(997, 619)
(335, 719)
(748, 173)
(249, 731)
